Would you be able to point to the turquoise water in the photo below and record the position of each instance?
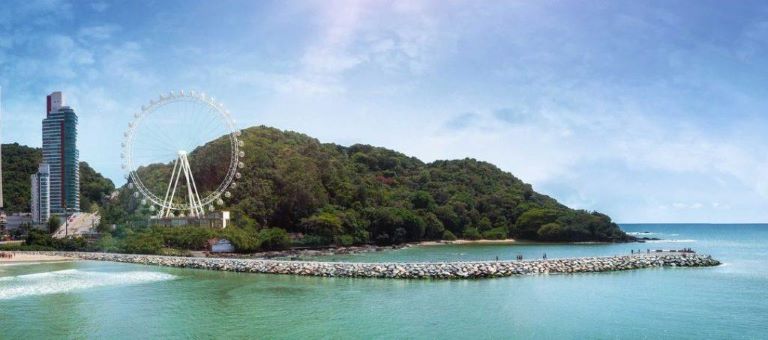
(109, 300)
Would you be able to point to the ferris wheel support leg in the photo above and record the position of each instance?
(173, 192)
(168, 190)
(189, 190)
(194, 200)
(198, 205)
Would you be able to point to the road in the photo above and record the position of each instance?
(78, 224)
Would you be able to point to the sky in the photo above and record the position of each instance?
(652, 111)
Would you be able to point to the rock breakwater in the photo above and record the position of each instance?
(423, 270)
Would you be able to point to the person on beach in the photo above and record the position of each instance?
(545, 256)
(632, 251)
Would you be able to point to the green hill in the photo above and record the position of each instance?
(19, 162)
(365, 194)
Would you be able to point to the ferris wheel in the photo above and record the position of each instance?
(182, 154)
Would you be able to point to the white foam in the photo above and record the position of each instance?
(64, 281)
(670, 241)
(648, 233)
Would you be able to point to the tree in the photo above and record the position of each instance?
(434, 229)
(484, 224)
(142, 243)
(552, 232)
(323, 224)
(19, 162)
(37, 237)
(499, 233)
(423, 200)
(244, 241)
(54, 222)
(395, 225)
(93, 186)
(472, 234)
(527, 226)
(274, 239)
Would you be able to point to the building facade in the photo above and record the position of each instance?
(61, 155)
(41, 203)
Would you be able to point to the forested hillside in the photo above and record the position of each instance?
(365, 194)
(19, 162)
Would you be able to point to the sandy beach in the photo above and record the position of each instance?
(22, 258)
(436, 243)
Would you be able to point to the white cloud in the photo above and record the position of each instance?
(98, 32)
(99, 6)
(126, 62)
(67, 56)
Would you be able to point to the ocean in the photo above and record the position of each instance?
(119, 301)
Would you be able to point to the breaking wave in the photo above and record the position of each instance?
(64, 281)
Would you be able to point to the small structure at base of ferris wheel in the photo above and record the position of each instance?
(169, 132)
(215, 220)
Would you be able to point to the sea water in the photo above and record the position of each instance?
(111, 300)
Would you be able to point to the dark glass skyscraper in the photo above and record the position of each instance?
(61, 154)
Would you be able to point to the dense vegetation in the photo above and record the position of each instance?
(158, 240)
(19, 162)
(363, 194)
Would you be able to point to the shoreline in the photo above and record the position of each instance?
(309, 252)
(298, 253)
(465, 241)
(413, 270)
(32, 258)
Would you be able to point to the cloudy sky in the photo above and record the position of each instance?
(653, 111)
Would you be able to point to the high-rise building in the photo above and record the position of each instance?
(61, 155)
(3, 217)
(2, 205)
(41, 203)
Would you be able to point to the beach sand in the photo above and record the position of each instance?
(21, 258)
(435, 243)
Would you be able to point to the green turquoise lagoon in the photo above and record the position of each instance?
(125, 301)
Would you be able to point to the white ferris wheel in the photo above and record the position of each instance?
(169, 133)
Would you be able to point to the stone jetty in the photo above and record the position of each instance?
(423, 270)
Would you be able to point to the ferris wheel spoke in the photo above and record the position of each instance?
(159, 137)
(208, 121)
(215, 131)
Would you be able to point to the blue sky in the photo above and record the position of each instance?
(649, 111)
